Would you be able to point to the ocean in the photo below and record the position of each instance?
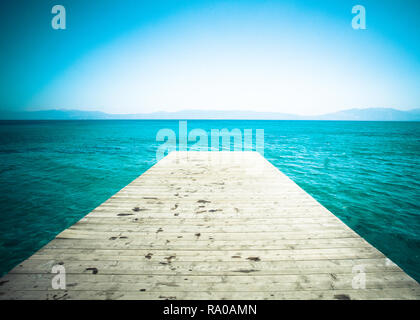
(52, 173)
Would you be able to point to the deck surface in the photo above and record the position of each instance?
(210, 225)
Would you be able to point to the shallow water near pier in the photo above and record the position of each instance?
(52, 173)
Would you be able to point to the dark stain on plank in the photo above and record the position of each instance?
(94, 270)
(246, 270)
(148, 256)
(167, 297)
(254, 258)
(169, 259)
(342, 297)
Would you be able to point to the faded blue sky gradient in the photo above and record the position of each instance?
(144, 56)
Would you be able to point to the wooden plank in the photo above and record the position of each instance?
(368, 294)
(210, 225)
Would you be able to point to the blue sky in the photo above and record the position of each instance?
(144, 56)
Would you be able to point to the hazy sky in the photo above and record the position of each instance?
(142, 56)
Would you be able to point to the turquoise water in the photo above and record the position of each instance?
(52, 173)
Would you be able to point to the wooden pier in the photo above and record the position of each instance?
(210, 225)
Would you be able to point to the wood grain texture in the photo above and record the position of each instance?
(210, 225)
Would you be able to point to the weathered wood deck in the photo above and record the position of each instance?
(209, 225)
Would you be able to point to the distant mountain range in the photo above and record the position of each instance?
(370, 114)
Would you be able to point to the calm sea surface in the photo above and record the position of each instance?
(52, 173)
